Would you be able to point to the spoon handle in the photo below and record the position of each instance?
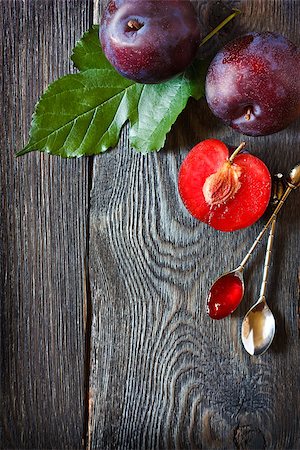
(267, 259)
(260, 236)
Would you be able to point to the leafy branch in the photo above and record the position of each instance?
(83, 113)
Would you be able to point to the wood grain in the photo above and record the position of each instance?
(163, 375)
(44, 211)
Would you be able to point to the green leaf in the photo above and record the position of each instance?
(83, 114)
(161, 104)
(87, 54)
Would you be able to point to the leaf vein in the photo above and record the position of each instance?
(77, 117)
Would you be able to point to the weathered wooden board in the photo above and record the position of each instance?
(44, 204)
(163, 375)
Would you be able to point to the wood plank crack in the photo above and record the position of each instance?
(88, 318)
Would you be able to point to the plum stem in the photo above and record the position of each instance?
(134, 25)
(248, 114)
(235, 13)
(236, 151)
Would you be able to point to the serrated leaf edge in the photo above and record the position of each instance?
(150, 149)
(35, 146)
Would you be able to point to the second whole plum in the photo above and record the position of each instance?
(253, 83)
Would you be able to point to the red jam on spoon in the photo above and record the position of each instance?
(225, 295)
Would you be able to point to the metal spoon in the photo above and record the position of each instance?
(258, 327)
(293, 182)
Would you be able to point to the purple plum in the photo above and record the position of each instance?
(150, 41)
(253, 83)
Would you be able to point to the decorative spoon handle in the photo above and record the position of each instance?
(267, 259)
(261, 234)
(293, 183)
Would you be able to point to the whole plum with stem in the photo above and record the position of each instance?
(150, 41)
(253, 83)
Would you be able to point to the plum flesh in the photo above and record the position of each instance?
(150, 41)
(253, 83)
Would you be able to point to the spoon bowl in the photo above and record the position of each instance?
(226, 294)
(258, 328)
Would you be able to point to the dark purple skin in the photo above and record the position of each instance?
(150, 41)
(256, 73)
